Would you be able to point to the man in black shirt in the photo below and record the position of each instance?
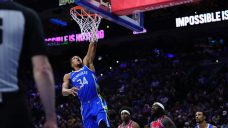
(22, 41)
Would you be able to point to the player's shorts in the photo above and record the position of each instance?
(93, 112)
(14, 112)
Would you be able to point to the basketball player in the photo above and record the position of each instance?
(200, 120)
(161, 120)
(126, 119)
(84, 85)
(22, 41)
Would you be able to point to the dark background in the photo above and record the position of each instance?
(120, 43)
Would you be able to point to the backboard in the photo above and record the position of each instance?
(118, 10)
(104, 9)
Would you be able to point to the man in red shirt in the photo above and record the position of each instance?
(126, 119)
(161, 120)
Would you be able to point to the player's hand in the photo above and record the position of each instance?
(73, 91)
(50, 124)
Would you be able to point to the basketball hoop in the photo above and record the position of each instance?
(87, 21)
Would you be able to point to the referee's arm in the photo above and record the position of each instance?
(42, 70)
(45, 83)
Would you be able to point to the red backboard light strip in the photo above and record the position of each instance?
(126, 7)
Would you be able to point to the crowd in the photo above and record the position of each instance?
(183, 83)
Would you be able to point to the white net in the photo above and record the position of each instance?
(88, 23)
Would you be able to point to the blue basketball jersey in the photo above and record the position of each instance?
(85, 80)
(208, 126)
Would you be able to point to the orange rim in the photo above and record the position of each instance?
(80, 8)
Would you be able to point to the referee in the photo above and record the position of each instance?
(21, 43)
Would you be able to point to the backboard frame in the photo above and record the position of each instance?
(105, 12)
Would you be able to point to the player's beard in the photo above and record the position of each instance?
(80, 65)
(157, 113)
(126, 120)
(198, 121)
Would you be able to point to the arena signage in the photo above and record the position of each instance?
(63, 40)
(202, 18)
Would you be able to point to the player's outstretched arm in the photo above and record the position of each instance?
(65, 87)
(44, 79)
(91, 53)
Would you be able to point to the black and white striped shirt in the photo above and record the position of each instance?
(21, 37)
